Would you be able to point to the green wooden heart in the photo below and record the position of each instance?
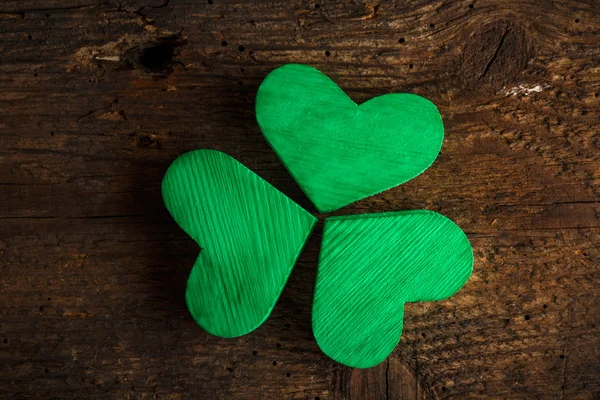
(340, 152)
(250, 235)
(369, 266)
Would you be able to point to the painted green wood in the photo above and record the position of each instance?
(250, 236)
(340, 152)
(369, 266)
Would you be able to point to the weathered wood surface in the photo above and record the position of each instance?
(98, 97)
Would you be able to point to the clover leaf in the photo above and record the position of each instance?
(339, 152)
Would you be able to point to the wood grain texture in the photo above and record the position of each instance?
(335, 149)
(97, 98)
(250, 236)
(370, 265)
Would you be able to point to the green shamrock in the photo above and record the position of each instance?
(339, 152)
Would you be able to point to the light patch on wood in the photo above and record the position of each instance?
(525, 90)
(87, 57)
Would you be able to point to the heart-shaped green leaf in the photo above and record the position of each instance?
(250, 235)
(369, 266)
(340, 152)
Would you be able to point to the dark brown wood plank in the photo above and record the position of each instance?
(98, 97)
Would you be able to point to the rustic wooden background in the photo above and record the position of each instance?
(98, 97)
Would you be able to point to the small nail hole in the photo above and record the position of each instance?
(327, 53)
(432, 25)
(317, 5)
(29, 37)
(241, 48)
(545, 306)
(210, 2)
(46, 370)
(224, 43)
(577, 21)
(41, 308)
(410, 66)
(471, 6)
(254, 352)
(527, 318)
(287, 375)
(278, 345)
(401, 40)
(287, 325)
(47, 15)
(562, 356)
(274, 363)
(5, 340)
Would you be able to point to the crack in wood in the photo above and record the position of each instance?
(493, 58)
